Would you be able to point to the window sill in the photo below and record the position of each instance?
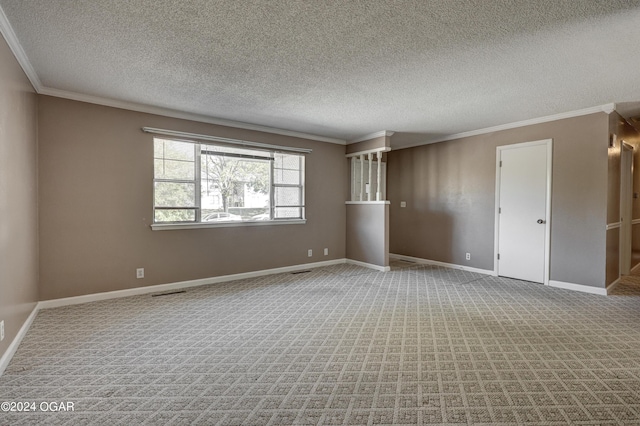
(174, 226)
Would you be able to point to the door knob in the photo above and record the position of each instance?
(540, 221)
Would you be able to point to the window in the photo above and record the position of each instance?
(207, 183)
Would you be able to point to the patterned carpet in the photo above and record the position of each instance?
(338, 345)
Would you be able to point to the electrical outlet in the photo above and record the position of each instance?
(1, 330)
(326, 251)
(310, 253)
(140, 273)
(468, 256)
(403, 204)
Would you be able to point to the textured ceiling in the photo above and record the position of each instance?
(340, 69)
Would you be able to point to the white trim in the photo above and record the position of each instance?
(76, 300)
(166, 112)
(443, 264)
(13, 347)
(578, 287)
(613, 285)
(547, 238)
(181, 284)
(561, 116)
(369, 151)
(12, 40)
(201, 225)
(367, 202)
(18, 51)
(635, 222)
(369, 265)
(634, 269)
(381, 133)
(613, 225)
(199, 137)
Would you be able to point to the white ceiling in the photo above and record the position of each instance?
(425, 69)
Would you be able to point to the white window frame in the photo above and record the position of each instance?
(198, 147)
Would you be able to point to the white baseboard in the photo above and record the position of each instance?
(55, 303)
(443, 264)
(13, 347)
(578, 287)
(369, 265)
(613, 285)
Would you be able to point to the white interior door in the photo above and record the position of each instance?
(626, 197)
(523, 210)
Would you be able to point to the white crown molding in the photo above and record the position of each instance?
(12, 40)
(166, 112)
(379, 134)
(606, 108)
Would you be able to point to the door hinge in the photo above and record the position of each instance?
(500, 163)
(499, 210)
(498, 256)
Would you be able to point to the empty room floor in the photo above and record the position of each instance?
(338, 345)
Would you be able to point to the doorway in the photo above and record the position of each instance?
(523, 211)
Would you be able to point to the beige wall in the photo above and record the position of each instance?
(368, 233)
(18, 196)
(96, 175)
(449, 188)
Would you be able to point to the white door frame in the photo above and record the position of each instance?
(626, 208)
(547, 238)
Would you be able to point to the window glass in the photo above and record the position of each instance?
(214, 183)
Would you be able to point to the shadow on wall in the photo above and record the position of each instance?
(434, 231)
(421, 229)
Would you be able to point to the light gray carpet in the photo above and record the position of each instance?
(338, 345)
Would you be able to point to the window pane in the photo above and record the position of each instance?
(287, 177)
(288, 213)
(172, 169)
(234, 185)
(286, 161)
(209, 149)
(173, 194)
(221, 217)
(174, 150)
(286, 196)
(175, 215)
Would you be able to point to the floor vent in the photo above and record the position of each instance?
(168, 294)
(299, 272)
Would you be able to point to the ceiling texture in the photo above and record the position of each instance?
(425, 69)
